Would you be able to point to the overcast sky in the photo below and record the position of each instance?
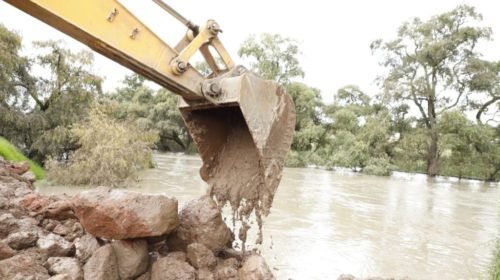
(334, 35)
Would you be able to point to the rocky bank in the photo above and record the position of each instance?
(113, 234)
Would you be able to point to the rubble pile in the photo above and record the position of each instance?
(114, 234)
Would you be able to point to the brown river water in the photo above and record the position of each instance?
(324, 223)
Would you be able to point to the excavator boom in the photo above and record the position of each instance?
(242, 125)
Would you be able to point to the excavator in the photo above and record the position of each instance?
(241, 124)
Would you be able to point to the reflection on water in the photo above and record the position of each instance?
(326, 223)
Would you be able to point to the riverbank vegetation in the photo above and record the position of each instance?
(495, 265)
(435, 112)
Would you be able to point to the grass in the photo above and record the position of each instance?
(9, 152)
(495, 266)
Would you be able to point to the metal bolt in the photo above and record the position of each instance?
(215, 88)
(181, 66)
(112, 15)
(134, 33)
(214, 28)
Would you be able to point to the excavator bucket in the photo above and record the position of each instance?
(243, 141)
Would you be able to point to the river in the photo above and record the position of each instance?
(326, 223)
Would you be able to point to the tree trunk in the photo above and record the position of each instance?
(433, 156)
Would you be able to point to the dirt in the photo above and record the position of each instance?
(244, 148)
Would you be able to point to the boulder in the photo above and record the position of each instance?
(102, 265)
(145, 276)
(65, 265)
(200, 256)
(22, 239)
(54, 245)
(119, 214)
(85, 246)
(255, 268)
(70, 229)
(205, 274)
(201, 222)
(227, 269)
(5, 251)
(8, 224)
(22, 267)
(61, 277)
(168, 268)
(131, 257)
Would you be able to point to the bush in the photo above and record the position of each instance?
(378, 166)
(110, 152)
(9, 152)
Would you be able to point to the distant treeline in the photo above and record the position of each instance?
(435, 112)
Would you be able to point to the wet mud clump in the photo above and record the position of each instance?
(244, 149)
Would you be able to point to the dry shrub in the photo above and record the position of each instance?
(110, 153)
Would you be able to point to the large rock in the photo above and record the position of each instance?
(200, 256)
(119, 214)
(255, 268)
(65, 265)
(54, 245)
(86, 246)
(201, 222)
(131, 256)
(168, 268)
(102, 265)
(5, 251)
(22, 267)
(227, 269)
(22, 239)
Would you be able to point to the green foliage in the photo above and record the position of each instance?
(428, 66)
(125, 150)
(273, 57)
(37, 111)
(153, 111)
(495, 265)
(9, 152)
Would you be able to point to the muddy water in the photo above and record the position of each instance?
(323, 223)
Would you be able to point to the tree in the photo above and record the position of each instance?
(273, 57)
(484, 77)
(427, 67)
(154, 111)
(99, 162)
(36, 111)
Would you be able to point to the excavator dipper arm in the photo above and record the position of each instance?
(242, 125)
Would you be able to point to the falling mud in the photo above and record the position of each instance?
(243, 151)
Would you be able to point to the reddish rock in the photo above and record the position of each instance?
(200, 256)
(17, 168)
(201, 222)
(5, 251)
(22, 267)
(168, 268)
(102, 265)
(118, 214)
(255, 268)
(34, 202)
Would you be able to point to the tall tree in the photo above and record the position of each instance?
(273, 57)
(427, 67)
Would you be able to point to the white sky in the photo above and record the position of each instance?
(334, 35)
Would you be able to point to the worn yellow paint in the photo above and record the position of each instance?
(110, 29)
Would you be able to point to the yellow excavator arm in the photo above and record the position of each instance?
(242, 125)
